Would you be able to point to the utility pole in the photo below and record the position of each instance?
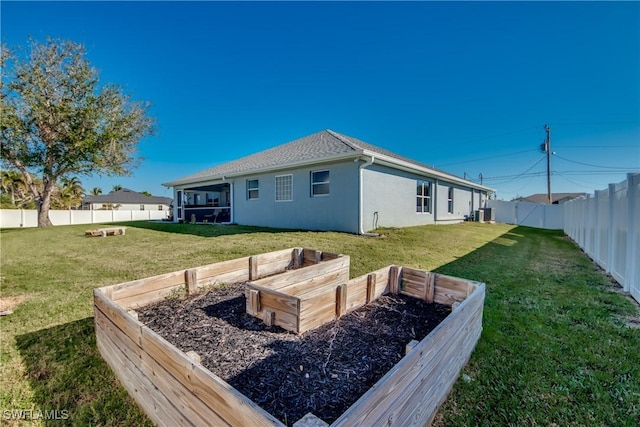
(481, 177)
(547, 147)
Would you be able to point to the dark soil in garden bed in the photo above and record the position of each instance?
(323, 371)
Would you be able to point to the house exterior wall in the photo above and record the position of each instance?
(389, 199)
(336, 211)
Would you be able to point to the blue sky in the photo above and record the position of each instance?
(466, 87)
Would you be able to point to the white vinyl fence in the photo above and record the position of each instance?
(536, 215)
(606, 226)
(16, 218)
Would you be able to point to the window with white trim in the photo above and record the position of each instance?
(284, 188)
(450, 200)
(253, 189)
(320, 183)
(423, 197)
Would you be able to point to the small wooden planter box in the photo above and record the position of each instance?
(172, 388)
(300, 299)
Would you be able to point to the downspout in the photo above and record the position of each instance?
(361, 207)
(435, 203)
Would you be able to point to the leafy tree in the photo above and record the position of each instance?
(57, 121)
(146, 193)
(13, 185)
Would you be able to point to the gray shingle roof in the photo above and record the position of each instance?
(127, 196)
(555, 197)
(317, 146)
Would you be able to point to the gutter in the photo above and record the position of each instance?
(361, 204)
(411, 167)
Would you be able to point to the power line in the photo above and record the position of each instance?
(521, 174)
(573, 182)
(595, 166)
(488, 158)
(599, 147)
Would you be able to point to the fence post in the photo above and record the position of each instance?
(611, 228)
(596, 227)
(629, 274)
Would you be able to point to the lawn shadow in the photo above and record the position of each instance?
(68, 376)
(202, 230)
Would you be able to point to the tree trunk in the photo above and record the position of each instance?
(44, 204)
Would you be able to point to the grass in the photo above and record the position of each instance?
(555, 349)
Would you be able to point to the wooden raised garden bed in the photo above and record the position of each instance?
(299, 300)
(173, 388)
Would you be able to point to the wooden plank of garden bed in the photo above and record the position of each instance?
(274, 262)
(296, 276)
(311, 257)
(147, 298)
(140, 388)
(190, 409)
(449, 289)
(316, 284)
(224, 267)
(284, 307)
(229, 404)
(130, 290)
(445, 371)
(357, 294)
(413, 389)
(118, 315)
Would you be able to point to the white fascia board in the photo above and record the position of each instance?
(207, 179)
(412, 167)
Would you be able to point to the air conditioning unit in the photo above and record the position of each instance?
(489, 214)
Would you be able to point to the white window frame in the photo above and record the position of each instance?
(450, 196)
(278, 186)
(314, 183)
(250, 189)
(425, 185)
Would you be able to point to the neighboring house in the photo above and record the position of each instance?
(126, 199)
(556, 198)
(326, 181)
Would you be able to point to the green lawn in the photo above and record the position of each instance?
(555, 350)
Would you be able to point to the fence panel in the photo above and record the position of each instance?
(17, 218)
(606, 225)
(606, 228)
(528, 214)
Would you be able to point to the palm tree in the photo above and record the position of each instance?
(96, 191)
(116, 187)
(12, 182)
(71, 192)
(74, 185)
(146, 193)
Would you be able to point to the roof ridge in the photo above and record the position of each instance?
(342, 138)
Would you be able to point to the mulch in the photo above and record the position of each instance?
(323, 371)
